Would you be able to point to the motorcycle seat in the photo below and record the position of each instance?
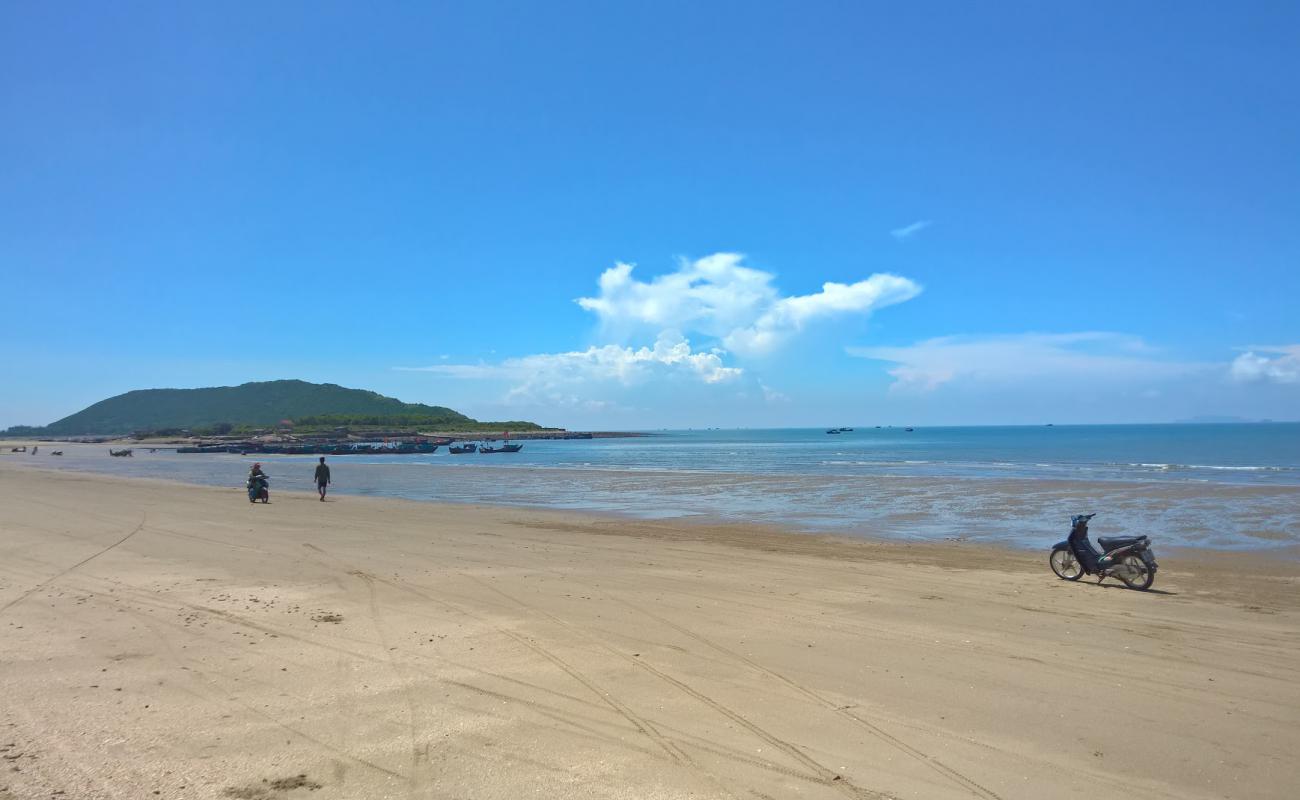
(1113, 542)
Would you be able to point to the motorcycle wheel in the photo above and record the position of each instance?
(1065, 565)
(1135, 573)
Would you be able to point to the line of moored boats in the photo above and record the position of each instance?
(328, 449)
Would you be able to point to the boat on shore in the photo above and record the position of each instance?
(319, 448)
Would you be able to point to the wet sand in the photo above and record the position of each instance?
(1023, 511)
(174, 641)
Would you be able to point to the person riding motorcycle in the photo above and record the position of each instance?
(259, 484)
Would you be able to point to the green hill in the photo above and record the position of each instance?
(255, 405)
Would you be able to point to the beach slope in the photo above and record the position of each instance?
(176, 641)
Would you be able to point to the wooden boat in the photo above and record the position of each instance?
(907, 430)
(407, 448)
(119, 453)
(460, 450)
(833, 430)
(56, 452)
(505, 448)
(846, 430)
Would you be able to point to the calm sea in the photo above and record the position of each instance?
(1219, 486)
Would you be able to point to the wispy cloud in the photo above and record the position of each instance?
(772, 396)
(908, 231)
(546, 373)
(1280, 364)
(1007, 359)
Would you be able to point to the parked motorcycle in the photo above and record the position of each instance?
(1128, 558)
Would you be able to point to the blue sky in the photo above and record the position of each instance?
(826, 213)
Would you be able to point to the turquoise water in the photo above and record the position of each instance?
(1248, 454)
(1219, 486)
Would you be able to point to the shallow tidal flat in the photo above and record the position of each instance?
(176, 639)
(995, 506)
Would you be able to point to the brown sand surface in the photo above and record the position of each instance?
(159, 640)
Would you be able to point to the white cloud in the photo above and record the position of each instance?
(737, 305)
(1283, 366)
(547, 373)
(789, 314)
(727, 308)
(1062, 357)
(908, 231)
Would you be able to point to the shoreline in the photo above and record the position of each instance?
(1281, 561)
(189, 643)
(1265, 554)
(1028, 513)
(169, 442)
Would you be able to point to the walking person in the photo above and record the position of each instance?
(322, 478)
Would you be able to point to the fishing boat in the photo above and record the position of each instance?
(833, 430)
(460, 450)
(846, 430)
(505, 447)
(118, 453)
(907, 430)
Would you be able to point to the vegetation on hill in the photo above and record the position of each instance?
(256, 405)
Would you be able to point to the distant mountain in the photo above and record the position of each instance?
(253, 405)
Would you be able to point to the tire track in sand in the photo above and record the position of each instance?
(419, 754)
(872, 728)
(196, 670)
(823, 775)
(642, 725)
(144, 516)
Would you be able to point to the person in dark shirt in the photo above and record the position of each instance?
(322, 478)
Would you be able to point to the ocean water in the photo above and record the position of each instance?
(1217, 486)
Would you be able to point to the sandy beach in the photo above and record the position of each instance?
(163, 640)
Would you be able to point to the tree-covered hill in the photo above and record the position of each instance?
(254, 405)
